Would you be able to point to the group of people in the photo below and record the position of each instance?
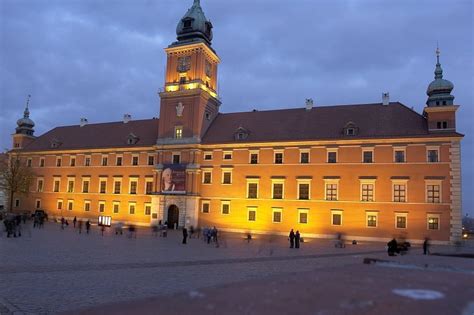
(294, 238)
(13, 226)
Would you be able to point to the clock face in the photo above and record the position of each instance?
(184, 64)
(208, 69)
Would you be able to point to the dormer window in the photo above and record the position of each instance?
(55, 143)
(132, 139)
(241, 134)
(350, 129)
(442, 124)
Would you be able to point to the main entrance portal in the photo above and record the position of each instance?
(173, 216)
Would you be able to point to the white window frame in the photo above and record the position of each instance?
(224, 153)
(137, 156)
(88, 180)
(57, 179)
(130, 204)
(257, 152)
(117, 157)
(59, 160)
(207, 202)
(70, 202)
(203, 176)
(400, 182)
(173, 154)
(248, 214)
(85, 160)
(102, 157)
(339, 212)
(116, 203)
(38, 188)
(207, 153)
(401, 214)
(371, 213)
(434, 182)
(102, 180)
(278, 181)
(329, 150)
(87, 202)
(303, 181)
(395, 149)
(101, 203)
(58, 202)
(226, 170)
(280, 210)
(72, 158)
(252, 181)
(148, 180)
(145, 205)
(42, 162)
(117, 179)
(332, 181)
(300, 211)
(282, 152)
(148, 159)
(368, 150)
(225, 202)
(433, 148)
(130, 181)
(309, 155)
(69, 180)
(367, 182)
(433, 215)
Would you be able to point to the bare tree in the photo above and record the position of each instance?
(15, 176)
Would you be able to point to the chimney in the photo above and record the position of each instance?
(385, 98)
(127, 118)
(309, 104)
(83, 122)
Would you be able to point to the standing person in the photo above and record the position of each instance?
(74, 222)
(191, 231)
(426, 246)
(291, 237)
(102, 229)
(79, 224)
(62, 223)
(185, 235)
(392, 247)
(88, 226)
(297, 239)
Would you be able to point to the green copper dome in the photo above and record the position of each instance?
(439, 90)
(25, 124)
(194, 26)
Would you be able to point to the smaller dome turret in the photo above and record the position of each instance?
(25, 124)
(439, 90)
(194, 26)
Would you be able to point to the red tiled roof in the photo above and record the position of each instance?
(320, 123)
(104, 135)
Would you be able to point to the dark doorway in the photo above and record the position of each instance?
(173, 216)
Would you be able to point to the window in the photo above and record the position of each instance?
(252, 190)
(433, 193)
(59, 204)
(433, 155)
(252, 214)
(207, 177)
(277, 215)
(151, 160)
(178, 130)
(17, 203)
(367, 191)
(56, 185)
(187, 23)
(40, 185)
(149, 186)
(119, 161)
(38, 203)
(304, 157)
(87, 161)
(225, 207)
(336, 217)
(277, 189)
(205, 207)
(433, 221)
(332, 156)
(85, 185)
(29, 162)
(253, 158)
(331, 191)
(147, 208)
(176, 158)
(87, 205)
(208, 156)
(371, 219)
(105, 160)
(133, 186)
(278, 158)
(442, 124)
(103, 186)
(70, 205)
(401, 220)
(41, 162)
(135, 160)
(182, 80)
(116, 206)
(303, 216)
(227, 177)
(58, 162)
(399, 156)
(350, 131)
(368, 156)
(399, 192)
(70, 185)
(101, 206)
(117, 186)
(227, 155)
(131, 207)
(72, 161)
(303, 191)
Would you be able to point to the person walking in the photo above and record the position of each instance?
(62, 223)
(88, 226)
(74, 222)
(426, 245)
(185, 235)
(291, 237)
(297, 239)
(79, 224)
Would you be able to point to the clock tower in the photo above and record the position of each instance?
(189, 101)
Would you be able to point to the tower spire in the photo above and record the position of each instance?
(26, 113)
(438, 71)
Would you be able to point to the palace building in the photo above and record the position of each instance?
(369, 171)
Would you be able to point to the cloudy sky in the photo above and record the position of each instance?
(102, 58)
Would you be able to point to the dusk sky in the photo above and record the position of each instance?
(101, 59)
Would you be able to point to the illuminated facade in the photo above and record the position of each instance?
(369, 171)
